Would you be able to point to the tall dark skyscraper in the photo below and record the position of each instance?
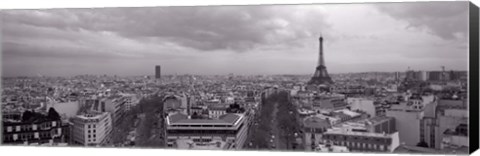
(158, 72)
(321, 75)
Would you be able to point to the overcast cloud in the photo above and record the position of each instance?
(280, 39)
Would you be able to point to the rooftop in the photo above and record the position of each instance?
(182, 119)
(348, 112)
(316, 122)
(344, 132)
(379, 119)
(92, 115)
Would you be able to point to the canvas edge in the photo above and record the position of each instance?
(473, 76)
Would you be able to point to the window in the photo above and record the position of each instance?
(9, 129)
(15, 137)
(89, 136)
(89, 126)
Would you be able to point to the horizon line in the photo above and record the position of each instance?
(183, 74)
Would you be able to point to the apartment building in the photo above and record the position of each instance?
(92, 128)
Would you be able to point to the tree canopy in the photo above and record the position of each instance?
(27, 115)
(53, 114)
(422, 144)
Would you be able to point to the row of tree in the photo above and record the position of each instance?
(31, 116)
(151, 130)
(287, 119)
(260, 135)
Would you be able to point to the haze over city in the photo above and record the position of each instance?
(281, 39)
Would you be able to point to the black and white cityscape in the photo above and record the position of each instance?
(366, 77)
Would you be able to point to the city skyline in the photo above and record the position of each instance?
(245, 40)
(354, 78)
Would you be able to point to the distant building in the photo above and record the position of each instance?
(158, 71)
(436, 76)
(351, 90)
(363, 105)
(215, 111)
(177, 103)
(345, 115)
(397, 76)
(196, 110)
(416, 76)
(329, 102)
(92, 129)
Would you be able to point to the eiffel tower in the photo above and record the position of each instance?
(321, 76)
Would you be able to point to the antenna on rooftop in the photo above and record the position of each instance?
(443, 73)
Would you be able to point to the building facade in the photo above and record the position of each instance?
(313, 129)
(39, 132)
(363, 141)
(229, 128)
(92, 129)
(407, 122)
(158, 72)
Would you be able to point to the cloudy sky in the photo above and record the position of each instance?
(281, 39)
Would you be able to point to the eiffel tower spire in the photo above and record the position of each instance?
(321, 75)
